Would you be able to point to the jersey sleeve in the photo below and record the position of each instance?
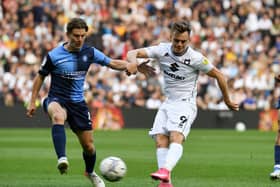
(154, 51)
(202, 64)
(46, 66)
(101, 58)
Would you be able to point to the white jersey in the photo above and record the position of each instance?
(180, 72)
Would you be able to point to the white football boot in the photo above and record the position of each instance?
(62, 165)
(95, 179)
(276, 173)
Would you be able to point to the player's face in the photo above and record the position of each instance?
(76, 39)
(179, 42)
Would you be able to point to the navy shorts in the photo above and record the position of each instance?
(278, 104)
(78, 115)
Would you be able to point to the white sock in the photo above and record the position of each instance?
(174, 154)
(161, 156)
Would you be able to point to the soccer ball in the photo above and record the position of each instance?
(113, 168)
(240, 127)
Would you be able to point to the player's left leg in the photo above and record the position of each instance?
(276, 170)
(89, 156)
(175, 150)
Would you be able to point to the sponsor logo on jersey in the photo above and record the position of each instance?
(174, 67)
(77, 75)
(173, 75)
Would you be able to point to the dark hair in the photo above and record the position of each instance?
(76, 23)
(181, 26)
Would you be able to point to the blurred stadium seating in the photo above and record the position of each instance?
(242, 38)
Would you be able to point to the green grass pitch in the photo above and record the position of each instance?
(212, 158)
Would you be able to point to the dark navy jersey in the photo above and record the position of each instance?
(68, 71)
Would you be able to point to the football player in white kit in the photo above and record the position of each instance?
(180, 65)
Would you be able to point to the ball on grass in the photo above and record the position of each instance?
(240, 127)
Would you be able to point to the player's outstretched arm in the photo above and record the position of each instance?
(215, 73)
(122, 65)
(143, 67)
(37, 83)
(131, 66)
(132, 55)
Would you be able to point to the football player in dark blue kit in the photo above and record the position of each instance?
(275, 174)
(68, 64)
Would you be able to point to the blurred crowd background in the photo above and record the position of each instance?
(240, 37)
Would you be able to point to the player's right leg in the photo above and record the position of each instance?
(160, 135)
(276, 170)
(58, 116)
(162, 174)
(174, 154)
(162, 143)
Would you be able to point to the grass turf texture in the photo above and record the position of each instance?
(212, 158)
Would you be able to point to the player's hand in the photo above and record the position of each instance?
(31, 108)
(147, 70)
(131, 68)
(232, 106)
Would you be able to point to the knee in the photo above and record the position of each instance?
(58, 118)
(162, 141)
(177, 138)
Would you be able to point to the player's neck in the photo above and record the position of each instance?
(181, 53)
(70, 49)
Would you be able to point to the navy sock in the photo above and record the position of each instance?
(59, 140)
(89, 161)
(277, 154)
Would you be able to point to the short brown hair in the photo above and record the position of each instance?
(181, 26)
(76, 23)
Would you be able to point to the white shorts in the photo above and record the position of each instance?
(174, 116)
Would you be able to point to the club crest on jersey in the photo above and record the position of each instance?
(85, 58)
(187, 61)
